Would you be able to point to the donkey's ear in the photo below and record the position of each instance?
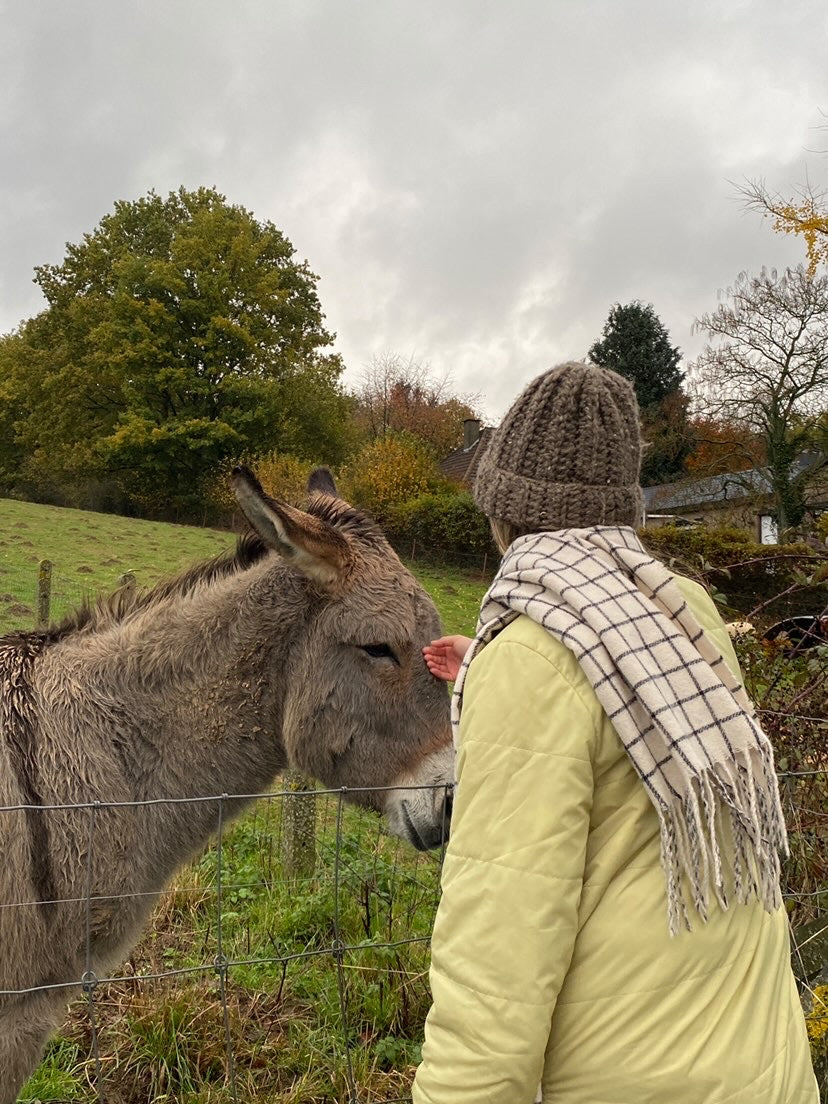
(322, 481)
(317, 549)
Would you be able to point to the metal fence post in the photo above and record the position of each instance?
(44, 592)
(298, 825)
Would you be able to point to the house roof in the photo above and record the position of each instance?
(462, 464)
(730, 487)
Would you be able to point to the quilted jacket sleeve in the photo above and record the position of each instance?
(507, 921)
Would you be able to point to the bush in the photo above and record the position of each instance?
(449, 522)
(283, 476)
(388, 472)
(790, 578)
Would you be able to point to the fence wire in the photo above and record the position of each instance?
(257, 982)
(289, 962)
(253, 980)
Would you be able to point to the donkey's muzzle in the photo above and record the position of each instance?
(419, 805)
(426, 835)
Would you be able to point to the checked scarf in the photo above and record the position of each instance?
(685, 721)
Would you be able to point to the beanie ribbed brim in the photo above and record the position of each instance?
(534, 506)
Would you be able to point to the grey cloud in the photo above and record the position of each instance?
(474, 183)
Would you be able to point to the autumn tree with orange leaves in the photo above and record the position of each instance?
(399, 394)
(723, 446)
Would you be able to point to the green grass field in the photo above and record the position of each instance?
(89, 552)
(301, 1026)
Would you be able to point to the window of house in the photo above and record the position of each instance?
(768, 529)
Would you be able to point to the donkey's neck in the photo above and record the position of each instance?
(190, 689)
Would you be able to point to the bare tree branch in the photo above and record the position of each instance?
(766, 366)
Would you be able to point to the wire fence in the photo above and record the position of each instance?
(252, 982)
(479, 564)
(289, 962)
(39, 591)
(257, 983)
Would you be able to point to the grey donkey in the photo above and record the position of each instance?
(301, 649)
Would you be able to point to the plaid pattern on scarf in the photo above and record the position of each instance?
(684, 719)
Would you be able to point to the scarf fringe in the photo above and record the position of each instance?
(728, 828)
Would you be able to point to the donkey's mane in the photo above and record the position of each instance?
(111, 609)
(347, 518)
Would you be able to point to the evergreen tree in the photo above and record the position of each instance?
(635, 343)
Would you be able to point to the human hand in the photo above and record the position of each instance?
(444, 656)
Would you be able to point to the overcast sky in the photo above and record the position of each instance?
(474, 183)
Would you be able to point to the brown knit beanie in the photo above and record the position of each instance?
(567, 455)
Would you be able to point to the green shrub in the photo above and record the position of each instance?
(449, 522)
(784, 579)
(390, 471)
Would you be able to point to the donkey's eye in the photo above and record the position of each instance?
(379, 651)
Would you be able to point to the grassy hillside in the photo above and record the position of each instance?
(89, 552)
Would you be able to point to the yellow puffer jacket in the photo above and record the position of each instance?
(551, 959)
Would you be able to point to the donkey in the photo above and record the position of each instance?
(301, 649)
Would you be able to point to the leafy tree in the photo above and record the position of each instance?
(666, 440)
(636, 344)
(766, 367)
(720, 447)
(177, 333)
(805, 214)
(11, 408)
(398, 395)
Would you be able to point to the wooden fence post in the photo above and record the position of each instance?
(298, 825)
(44, 592)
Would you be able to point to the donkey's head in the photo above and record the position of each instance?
(361, 708)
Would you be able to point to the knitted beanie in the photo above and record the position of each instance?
(567, 455)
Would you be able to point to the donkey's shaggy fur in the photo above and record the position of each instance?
(208, 684)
